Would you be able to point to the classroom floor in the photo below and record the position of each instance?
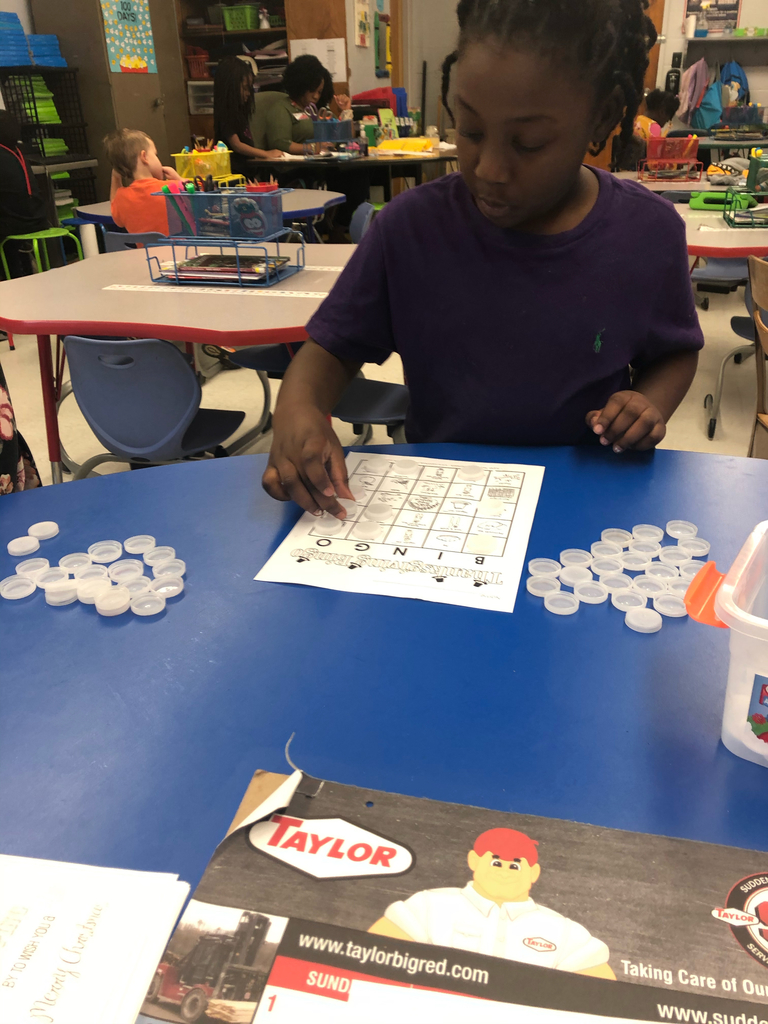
(240, 389)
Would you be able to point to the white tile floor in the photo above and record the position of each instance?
(241, 390)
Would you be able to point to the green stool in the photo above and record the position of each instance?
(35, 238)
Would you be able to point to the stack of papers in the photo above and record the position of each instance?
(80, 944)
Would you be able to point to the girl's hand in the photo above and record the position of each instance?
(306, 463)
(343, 101)
(169, 174)
(628, 420)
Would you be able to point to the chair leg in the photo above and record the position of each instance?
(66, 458)
(265, 422)
(6, 269)
(78, 247)
(397, 433)
(712, 402)
(97, 460)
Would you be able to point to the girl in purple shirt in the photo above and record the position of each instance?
(532, 299)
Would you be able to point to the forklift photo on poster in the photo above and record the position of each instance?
(721, 15)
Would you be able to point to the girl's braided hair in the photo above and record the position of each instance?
(606, 40)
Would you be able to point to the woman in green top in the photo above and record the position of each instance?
(279, 119)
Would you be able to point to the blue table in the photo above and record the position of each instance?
(129, 742)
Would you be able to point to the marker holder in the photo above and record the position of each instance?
(671, 160)
(185, 249)
(232, 212)
(754, 216)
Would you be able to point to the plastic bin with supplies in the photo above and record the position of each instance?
(192, 165)
(233, 213)
(741, 602)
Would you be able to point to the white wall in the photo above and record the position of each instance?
(20, 7)
(361, 59)
(753, 12)
(431, 32)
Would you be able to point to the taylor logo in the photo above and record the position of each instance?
(746, 913)
(540, 945)
(329, 847)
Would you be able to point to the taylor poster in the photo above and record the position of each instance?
(721, 14)
(128, 31)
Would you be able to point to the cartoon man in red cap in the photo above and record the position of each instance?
(494, 913)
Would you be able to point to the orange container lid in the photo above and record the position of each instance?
(700, 596)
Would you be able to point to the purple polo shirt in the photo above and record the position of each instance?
(506, 337)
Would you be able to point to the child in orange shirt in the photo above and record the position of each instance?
(136, 171)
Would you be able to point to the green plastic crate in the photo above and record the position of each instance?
(240, 17)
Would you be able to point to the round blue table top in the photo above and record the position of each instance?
(129, 742)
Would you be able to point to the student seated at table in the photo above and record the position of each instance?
(22, 208)
(533, 300)
(283, 120)
(233, 102)
(136, 171)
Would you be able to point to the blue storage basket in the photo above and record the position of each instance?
(333, 131)
(234, 213)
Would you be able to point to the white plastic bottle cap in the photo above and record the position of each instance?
(481, 544)
(368, 531)
(13, 588)
(48, 576)
(359, 493)
(644, 531)
(572, 575)
(661, 571)
(626, 599)
(651, 548)
(544, 567)
(695, 547)
(44, 531)
(114, 601)
(561, 603)
(491, 507)
(171, 567)
(61, 593)
(138, 585)
(635, 561)
(104, 551)
(349, 506)
(379, 512)
(161, 554)
(614, 536)
(673, 555)
(32, 567)
(22, 546)
(678, 586)
(167, 586)
(643, 620)
(77, 560)
(591, 593)
(471, 472)
(375, 464)
(616, 582)
(91, 572)
(689, 570)
(576, 556)
(681, 528)
(327, 525)
(604, 549)
(126, 569)
(88, 589)
(606, 565)
(406, 466)
(649, 585)
(670, 605)
(540, 586)
(138, 544)
(148, 604)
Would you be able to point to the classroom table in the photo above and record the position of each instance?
(114, 296)
(709, 235)
(670, 185)
(300, 204)
(394, 166)
(129, 743)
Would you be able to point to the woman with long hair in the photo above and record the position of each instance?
(232, 110)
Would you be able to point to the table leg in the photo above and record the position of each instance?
(49, 405)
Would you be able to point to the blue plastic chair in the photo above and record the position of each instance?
(370, 403)
(141, 399)
(361, 221)
(743, 327)
(116, 241)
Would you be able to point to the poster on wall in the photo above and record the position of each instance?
(720, 14)
(128, 32)
(362, 23)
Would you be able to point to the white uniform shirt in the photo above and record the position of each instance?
(464, 919)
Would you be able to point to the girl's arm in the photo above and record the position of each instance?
(638, 418)
(306, 463)
(244, 149)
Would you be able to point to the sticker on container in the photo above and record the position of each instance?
(758, 708)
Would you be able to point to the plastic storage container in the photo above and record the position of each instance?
(234, 213)
(240, 17)
(215, 162)
(742, 603)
